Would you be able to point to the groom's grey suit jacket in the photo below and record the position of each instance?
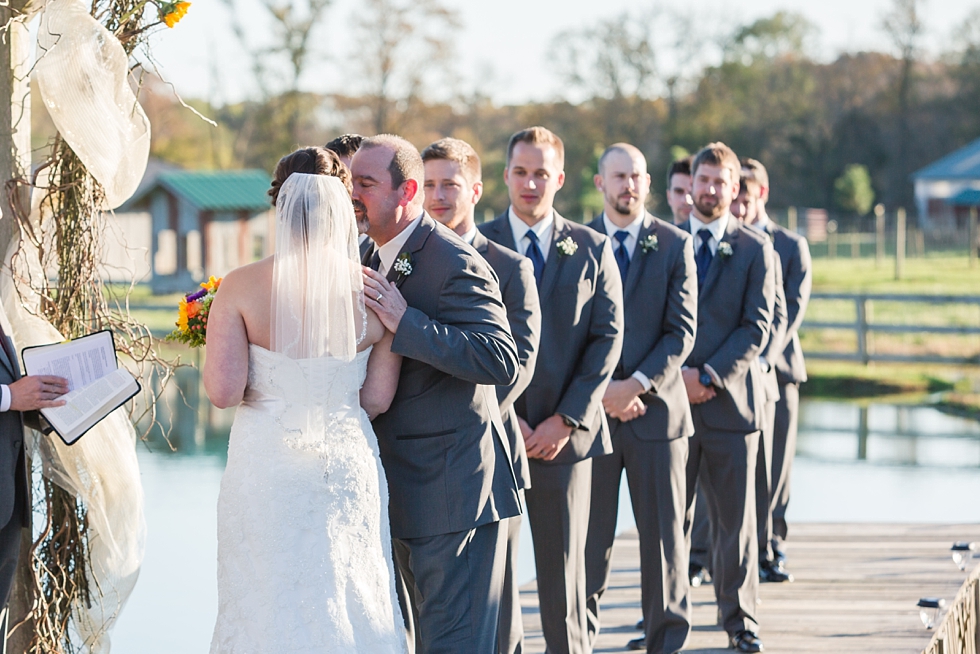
(794, 255)
(661, 304)
(735, 309)
(581, 299)
(520, 294)
(442, 442)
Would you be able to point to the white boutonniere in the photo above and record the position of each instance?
(725, 249)
(403, 264)
(567, 246)
(650, 243)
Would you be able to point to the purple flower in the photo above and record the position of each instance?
(198, 295)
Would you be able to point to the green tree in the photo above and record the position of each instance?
(853, 191)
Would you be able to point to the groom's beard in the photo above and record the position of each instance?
(360, 214)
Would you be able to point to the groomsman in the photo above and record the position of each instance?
(560, 413)
(344, 146)
(453, 187)
(794, 255)
(679, 189)
(736, 293)
(745, 208)
(646, 402)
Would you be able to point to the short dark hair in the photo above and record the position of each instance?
(759, 172)
(312, 161)
(679, 167)
(718, 154)
(345, 145)
(458, 151)
(406, 162)
(537, 136)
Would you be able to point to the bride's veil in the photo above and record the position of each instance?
(317, 288)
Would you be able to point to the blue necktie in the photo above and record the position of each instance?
(534, 254)
(703, 257)
(622, 256)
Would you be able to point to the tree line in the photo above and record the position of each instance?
(840, 134)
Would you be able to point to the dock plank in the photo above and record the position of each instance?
(855, 591)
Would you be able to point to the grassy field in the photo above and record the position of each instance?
(933, 275)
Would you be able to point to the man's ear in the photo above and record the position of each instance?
(410, 188)
(561, 179)
(477, 191)
(764, 194)
(597, 180)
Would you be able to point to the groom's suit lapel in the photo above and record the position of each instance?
(414, 243)
(502, 233)
(639, 260)
(719, 261)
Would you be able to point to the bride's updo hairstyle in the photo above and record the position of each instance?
(312, 161)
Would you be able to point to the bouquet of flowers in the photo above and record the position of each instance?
(192, 318)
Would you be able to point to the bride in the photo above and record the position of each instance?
(304, 561)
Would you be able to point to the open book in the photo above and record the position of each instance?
(97, 385)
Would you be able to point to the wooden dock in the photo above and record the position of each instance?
(856, 590)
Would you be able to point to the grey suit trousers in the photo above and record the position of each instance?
(783, 452)
(558, 504)
(510, 633)
(701, 533)
(726, 463)
(656, 472)
(455, 607)
(764, 485)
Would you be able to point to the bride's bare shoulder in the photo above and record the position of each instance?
(246, 279)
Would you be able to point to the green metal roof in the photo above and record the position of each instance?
(219, 190)
(961, 164)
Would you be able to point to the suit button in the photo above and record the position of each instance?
(16, 444)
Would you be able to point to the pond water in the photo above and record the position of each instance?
(876, 463)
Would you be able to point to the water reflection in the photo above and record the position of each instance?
(873, 463)
(887, 435)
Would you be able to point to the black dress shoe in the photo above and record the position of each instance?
(779, 555)
(773, 572)
(698, 575)
(637, 644)
(639, 625)
(746, 641)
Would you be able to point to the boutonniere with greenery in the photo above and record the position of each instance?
(403, 265)
(650, 243)
(567, 246)
(725, 249)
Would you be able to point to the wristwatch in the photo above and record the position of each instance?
(569, 422)
(705, 379)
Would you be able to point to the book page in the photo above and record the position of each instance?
(81, 361)
(86, 406)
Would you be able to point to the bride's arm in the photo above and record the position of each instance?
(382, 378)
(226, 352)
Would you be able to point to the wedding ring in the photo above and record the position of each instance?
(379, 297)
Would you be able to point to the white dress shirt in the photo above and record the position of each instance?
(633, 229)
(470, 235)
(542, 229)
(390, 250)
(717, 229)
(4, 398)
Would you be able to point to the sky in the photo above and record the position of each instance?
(503, 46)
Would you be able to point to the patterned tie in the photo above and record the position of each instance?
(533, 253)
(622, 256)
(703, 257)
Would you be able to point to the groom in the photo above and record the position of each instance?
(450, 479)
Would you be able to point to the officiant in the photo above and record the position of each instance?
(20, 398)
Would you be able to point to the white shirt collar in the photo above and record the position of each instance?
(717, 229)
(762, 221)
(543, 229)
(470, 235)
(390, 250)
(633, 229)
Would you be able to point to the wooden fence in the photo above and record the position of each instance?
(863, 326)
(959, 632)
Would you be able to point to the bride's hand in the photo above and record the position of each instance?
(384, 298)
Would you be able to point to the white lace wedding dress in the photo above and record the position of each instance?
(304, 562)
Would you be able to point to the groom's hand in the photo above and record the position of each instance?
(548, 439)
(384, 298)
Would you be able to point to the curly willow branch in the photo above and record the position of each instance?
(69, 240)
